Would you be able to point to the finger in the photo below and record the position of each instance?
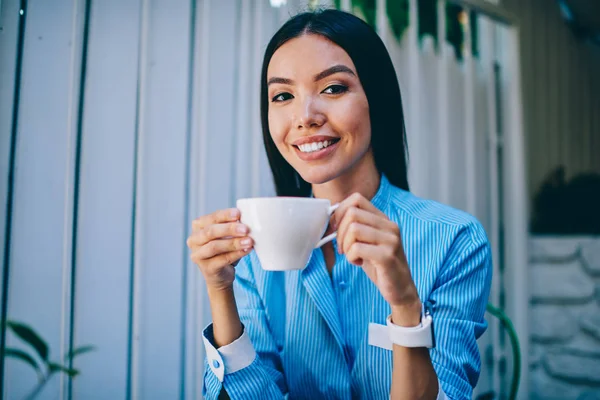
(355, 200)
(231, 258)
(356, 215)
(217, 217)
(357, 232)
(218, 231)
(359, 252)
(221, 246)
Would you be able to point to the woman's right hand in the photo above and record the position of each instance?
(218, 241)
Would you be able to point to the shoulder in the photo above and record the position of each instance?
(428, 216)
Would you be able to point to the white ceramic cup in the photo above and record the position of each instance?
(285, 230)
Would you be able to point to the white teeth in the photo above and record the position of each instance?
(310, 147)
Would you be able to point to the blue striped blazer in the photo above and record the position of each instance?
(306, 332)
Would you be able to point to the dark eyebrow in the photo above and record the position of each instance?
(321, 75)
(283, 81)
(333, 70)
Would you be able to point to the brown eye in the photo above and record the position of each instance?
(335, 89)
(282, 97)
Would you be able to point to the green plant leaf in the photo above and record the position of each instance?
(398, 16)
(31, 337)
(23, 356)
(79, 350)
(54, 367)
(365, 9)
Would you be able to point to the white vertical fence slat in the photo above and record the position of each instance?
(270, 24)
(457, 139)
(469, 104)
(246, 95)
(515, 199)
(472, 192)
(417, 167)
(254, 106)
(139, 202)
(104, 229)
(491, 156)
(197, 311)
(220, 107)
(346, 5)
(428, 133)
(284, 13)
(161, 229)
(443, 149)
(381, 21)
(482, 68)
(9, 21)
(36, 282)
(78, 38)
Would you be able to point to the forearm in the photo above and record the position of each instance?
(232, 365)
(413, 376)
(227, 326)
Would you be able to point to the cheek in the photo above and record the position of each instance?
(277, 127)
(354, 118)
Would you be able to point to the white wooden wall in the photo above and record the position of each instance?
(164, 104)
(164, 128)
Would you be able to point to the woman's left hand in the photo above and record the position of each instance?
(370, 240)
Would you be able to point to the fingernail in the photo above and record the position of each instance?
(245, 242)
(234, 213)
(242, 229)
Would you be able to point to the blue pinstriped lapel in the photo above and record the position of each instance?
(317, 282)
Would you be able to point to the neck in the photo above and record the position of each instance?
(364, 179)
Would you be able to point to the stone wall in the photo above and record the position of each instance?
(565, 318)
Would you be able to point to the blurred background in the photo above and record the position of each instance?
(123, 120)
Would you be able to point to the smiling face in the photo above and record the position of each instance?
(318, 112)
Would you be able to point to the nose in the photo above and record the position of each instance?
(309, 115)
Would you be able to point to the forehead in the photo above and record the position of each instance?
(305, 56)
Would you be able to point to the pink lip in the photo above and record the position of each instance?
(316, 155)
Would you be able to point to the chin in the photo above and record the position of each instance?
(317, 176)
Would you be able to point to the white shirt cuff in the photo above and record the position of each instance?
(240, 353)
(230, 358)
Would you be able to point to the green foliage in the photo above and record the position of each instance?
(25, 357)
(30, 337)
(43, 367)
(53, 367)
(78, 351)
(365, 9)
(428, 19)
(454, 30)
(398, 14)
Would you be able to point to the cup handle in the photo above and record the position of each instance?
(331, 236)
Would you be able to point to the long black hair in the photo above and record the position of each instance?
(378, 78)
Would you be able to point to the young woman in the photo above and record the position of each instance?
(353, 323)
